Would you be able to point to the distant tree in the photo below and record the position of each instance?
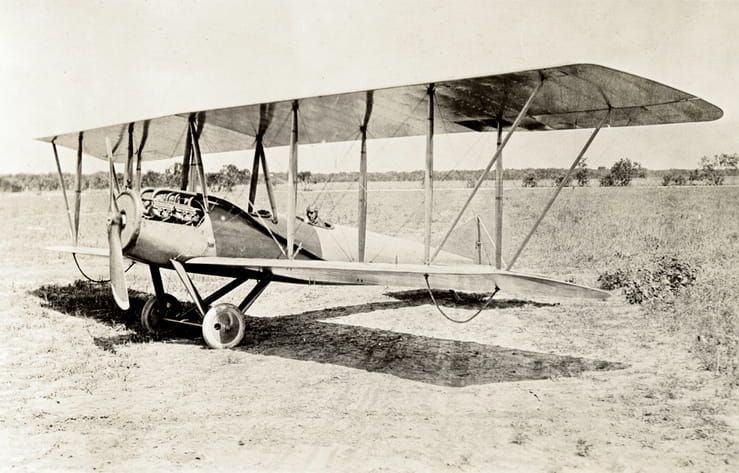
(679, 179)
(151, 179)
(172, 176)
(559, 178)
(694, 176)
(622, 172)
(8, 184)
(99, 180)
(606, 180)
(529, 180)
(582, 173)
(306, 177)
(230, 176)
(715, 168)
(667, 179)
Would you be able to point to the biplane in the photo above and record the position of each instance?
(191, 231)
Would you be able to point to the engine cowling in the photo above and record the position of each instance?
(164, 224)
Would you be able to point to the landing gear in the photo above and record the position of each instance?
(156, 309)
(223, 326)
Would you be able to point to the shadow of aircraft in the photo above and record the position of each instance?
(306, 337)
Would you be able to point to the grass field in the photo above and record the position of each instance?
(373, 379)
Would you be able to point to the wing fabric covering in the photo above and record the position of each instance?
(465, 277)
(571, 97)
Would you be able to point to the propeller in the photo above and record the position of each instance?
(116, 222)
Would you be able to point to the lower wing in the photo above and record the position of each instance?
(80, 250)
(466, 277)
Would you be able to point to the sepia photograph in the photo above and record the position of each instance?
(379, 236)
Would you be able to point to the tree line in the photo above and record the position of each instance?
(712, 170)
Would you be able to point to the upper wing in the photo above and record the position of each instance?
(466, 277)
(571, 97)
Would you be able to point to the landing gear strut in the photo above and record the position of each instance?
(223, 325)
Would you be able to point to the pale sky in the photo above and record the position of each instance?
(70, 65)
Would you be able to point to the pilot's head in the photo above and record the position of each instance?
(311, 212)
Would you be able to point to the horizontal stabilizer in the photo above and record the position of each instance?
(80, 250)
(465, 277)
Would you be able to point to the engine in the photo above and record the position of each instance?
(172, 206)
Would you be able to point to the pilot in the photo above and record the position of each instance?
(311, 212)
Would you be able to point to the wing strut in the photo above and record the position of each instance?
(199, 161)
(266, 112)
(64, 190)
(499, 200)
(78, 188)
(292, 183)
(268, 185)
(187, 156)
(492, 161)
(254, 178)
(144, 137)
(428, 178)
(128, 176)
(362, 227)
(562, 183)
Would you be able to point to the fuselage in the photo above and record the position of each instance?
(174, 224)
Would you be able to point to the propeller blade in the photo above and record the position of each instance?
(113, 184)
(117, 273)
(369, 102)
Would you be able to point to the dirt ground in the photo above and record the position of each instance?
(341, 379)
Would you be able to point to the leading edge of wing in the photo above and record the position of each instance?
(465, 277)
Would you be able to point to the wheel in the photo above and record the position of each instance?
(223, 326)
(154, 311)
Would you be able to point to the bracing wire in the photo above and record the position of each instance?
(89, 278)
(443, 178)
(458, 321)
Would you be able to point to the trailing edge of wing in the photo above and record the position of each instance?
(571, 97)
(468, 277)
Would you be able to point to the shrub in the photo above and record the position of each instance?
(606, 180)
(677, 179)
(558, 180)
(715, 169)
(660, 279)
(9, 185)
(694, 176)
(529, 180)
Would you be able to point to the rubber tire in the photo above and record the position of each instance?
(151, 318)
(223, 326)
